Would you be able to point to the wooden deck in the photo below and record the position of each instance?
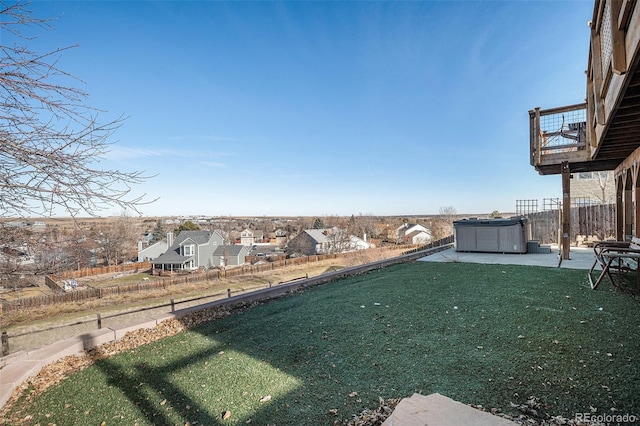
(611, 114)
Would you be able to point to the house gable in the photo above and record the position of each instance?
(190, 250)
(153, 251)
(229, 255)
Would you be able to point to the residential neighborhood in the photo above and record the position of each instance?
(193, 250)
(320, 213)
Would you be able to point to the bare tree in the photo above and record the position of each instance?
(118, 240)
(606, 185)
(50, 140)
(11, 238)
(442, 225)
(53, 253)
(339, 240)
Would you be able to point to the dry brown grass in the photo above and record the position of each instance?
(132, 301)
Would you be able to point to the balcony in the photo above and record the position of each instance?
(604, 132)
(558, 135)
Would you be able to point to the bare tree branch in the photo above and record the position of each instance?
(51, 142)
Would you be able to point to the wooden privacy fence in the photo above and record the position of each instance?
(154, 284)
(598, 221)
(260, 292)
(101, 270)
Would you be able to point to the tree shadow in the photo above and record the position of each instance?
(137, 382)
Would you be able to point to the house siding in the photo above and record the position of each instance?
(153, 251)
(303, 243)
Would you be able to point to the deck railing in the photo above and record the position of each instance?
(558, 135)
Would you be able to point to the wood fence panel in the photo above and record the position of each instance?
(594, 221)
(91, 292)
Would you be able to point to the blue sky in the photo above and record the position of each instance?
(325, 108)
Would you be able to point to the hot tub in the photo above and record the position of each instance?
(491, 235)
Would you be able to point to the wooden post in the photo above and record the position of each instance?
(173, 305)
(99, 321)
(5, 343)
(228, 292)
(566, 210)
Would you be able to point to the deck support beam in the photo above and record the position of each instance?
(566, 210)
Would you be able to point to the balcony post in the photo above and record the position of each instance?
(566, 210)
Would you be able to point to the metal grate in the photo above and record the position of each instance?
(563, 129)
(551, 203)
(606, 45)
(581, 202)
(525, 207)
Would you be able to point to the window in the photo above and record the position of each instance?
(187, 250)
(586, 176)
(592, 175)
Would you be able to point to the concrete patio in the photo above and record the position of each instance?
(580, 258)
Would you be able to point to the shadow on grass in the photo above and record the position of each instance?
(156, 398)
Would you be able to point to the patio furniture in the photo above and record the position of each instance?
(619, 257)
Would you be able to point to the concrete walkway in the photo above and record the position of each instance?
(436, 409)
(580, 258)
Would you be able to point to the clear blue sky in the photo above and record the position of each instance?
(325, 108)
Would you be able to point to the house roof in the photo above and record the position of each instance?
(198, 237)
(318, 235)
(173, 256)
(232, 250)
(416, 232)
(158, 244)
(414, 227)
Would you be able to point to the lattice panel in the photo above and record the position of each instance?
(606, 44)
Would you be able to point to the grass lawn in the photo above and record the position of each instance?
(480, 334)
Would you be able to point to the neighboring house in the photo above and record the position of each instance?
(412, 233)
(593, 188)
(357, 243)
(15, 224)
(324, 241)
(249, 237)
(280, 237)
(231, 255)
(310, 242)
(151, 252)
(37, 226)
(418, 237)
(19, 256)
(190, 250)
